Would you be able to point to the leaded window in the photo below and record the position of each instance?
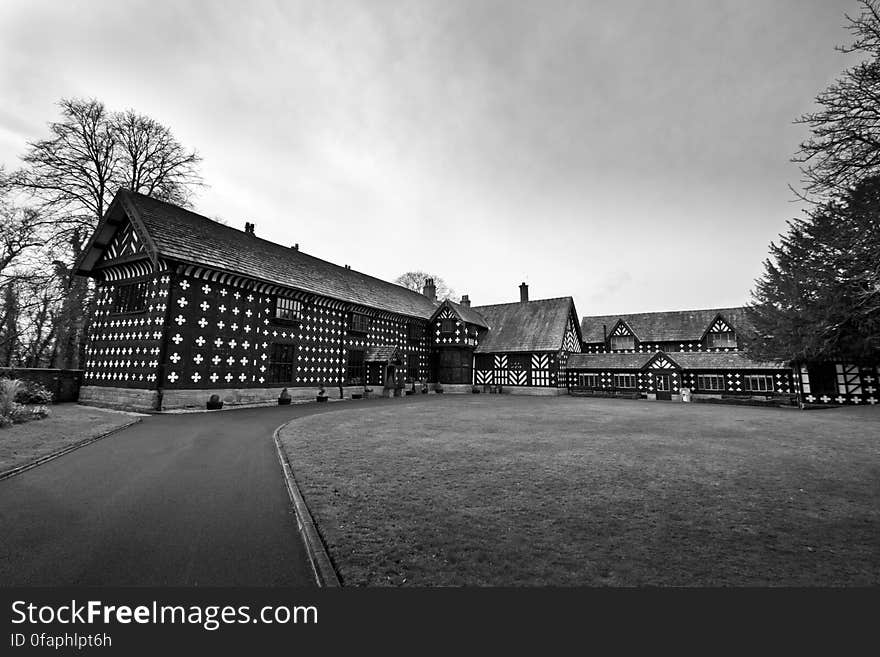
(759, 383)
(130, 298)
(358, 323)
(722, 339)
(281, 363)
(622, 342)
(710, 382)
(288, 309)
(355, 366)
(588, 380)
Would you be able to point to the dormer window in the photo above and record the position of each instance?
(358, 323)
(724, 339)
(288, 310)
(622, 342)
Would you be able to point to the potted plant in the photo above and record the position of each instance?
(322, 394)
(438, 388)
(356, 381)
(214, 403)
(475, 390)
(424, 387)
(284, 398)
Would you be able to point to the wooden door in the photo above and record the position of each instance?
(662, 386)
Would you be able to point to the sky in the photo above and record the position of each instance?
(634, 155)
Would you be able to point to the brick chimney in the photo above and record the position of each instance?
(523, 292)
(430, 290)
(248, 228)
(465, 301)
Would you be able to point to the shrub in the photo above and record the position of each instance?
(21, 413)
(14, 412)
(9, 390)
(34, 393)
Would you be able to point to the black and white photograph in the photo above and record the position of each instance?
(299, 297)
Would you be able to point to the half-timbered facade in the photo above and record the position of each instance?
(527, 349)
(187, 308)
(658, 354)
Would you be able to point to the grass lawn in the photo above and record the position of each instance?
(497, 490)
(66, 425)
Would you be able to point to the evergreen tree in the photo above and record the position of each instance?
(819, 297)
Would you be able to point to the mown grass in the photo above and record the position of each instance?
(66, 425)
(564, 491)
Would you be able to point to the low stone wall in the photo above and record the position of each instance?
(533, 390)
(64, 384)
(124, 399)
(456, 388)
(172, 399)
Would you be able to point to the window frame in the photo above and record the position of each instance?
(584, 380)
(766, 378)
(712, 337)
(277, 364)
(355, 369)
(447, 326)
(630, 338)
(294, 310)
(129, 298)
(701, 379)
(616, 378)
(359, 323)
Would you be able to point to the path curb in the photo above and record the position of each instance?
(325, 573)
(62, 452)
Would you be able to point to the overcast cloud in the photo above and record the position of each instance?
(633, 155)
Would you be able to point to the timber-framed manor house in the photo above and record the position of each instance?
(188, 308)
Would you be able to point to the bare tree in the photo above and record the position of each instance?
(19, 233)
(415, 280)
(152, 161)
(73, 175)
(844, 147)
(91, 153)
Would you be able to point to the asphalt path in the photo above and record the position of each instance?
(176, 500)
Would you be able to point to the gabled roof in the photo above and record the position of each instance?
(178, 234)
(464, 313)
(688, 360)
(672, 326)
(525, 326)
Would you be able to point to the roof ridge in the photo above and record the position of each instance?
(667, 312)
(516, 303)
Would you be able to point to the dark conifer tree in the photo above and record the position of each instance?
(819, 297)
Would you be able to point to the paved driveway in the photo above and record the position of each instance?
(176, 500)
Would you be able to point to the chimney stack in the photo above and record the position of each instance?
(248, 228)
(465, 301)
(523, 292)
(430, 290)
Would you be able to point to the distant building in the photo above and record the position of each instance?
(658, 354)
(188, 308)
